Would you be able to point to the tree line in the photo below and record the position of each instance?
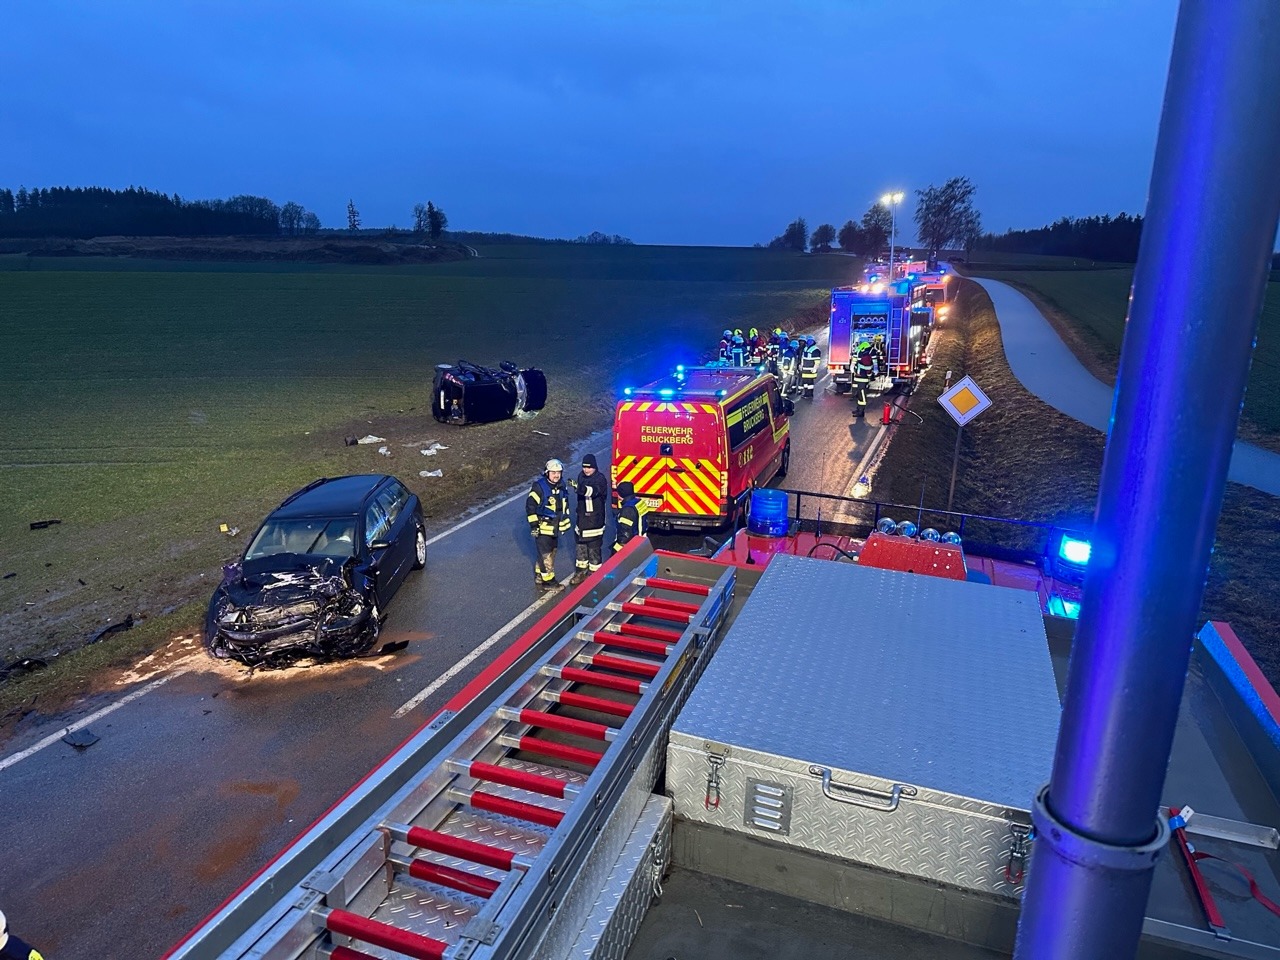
(944, 216)
(99, 211)
(1093, 238)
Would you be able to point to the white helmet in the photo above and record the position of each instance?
(555, 466)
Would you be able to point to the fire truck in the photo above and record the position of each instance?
(895, 311)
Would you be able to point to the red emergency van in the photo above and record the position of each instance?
(695, 443)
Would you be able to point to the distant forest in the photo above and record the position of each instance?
(1108, 238)
(135, 212)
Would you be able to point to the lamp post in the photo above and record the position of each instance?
(891, 200)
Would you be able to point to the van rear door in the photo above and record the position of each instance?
(673, 452)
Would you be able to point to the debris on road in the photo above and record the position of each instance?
(432, 450)
(25, 665)
(81, 739)
(349, 441)
(431, 473)
(9, 576)
(43, 524)
(542, 433)
(229, 531)
(123, 625)
(370, 438)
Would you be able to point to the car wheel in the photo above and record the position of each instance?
(419, 549)
(786, 460)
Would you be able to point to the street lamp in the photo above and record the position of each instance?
(891, 200)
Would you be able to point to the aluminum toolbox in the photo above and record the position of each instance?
(896, 720)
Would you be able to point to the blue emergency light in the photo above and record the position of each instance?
(1062, 607)
(1074, 550)
(720, 393)
(666, 392)
(626, 391)
(679, 368)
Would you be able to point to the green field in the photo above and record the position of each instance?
(146, 402)
(1094, 303)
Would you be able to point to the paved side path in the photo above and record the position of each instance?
(1040, 359)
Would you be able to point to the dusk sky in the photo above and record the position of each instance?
(668, 122)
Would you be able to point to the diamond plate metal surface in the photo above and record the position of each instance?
(940, 683)
(629, 888)
(418, 908)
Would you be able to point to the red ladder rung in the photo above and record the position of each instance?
(551, 721)
(481, 853)
(533, 782)
(411, 944)
(449, 877)
(599, 704)
(655, 613)
(560, 751)
(346, 953)
(516, 808)
(678, 586)
(625, 664)
(676, 606)
(608, 638)
(648, 633)
(605, 680)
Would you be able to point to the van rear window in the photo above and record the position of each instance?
(747, 417)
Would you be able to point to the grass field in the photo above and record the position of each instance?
(1024, 459)
(1092, 304)
(145, 403)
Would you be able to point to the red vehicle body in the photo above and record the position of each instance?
(695, 443)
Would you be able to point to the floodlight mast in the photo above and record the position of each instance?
(1197, 292)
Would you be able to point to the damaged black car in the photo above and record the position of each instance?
(465, 392)
(316, 577)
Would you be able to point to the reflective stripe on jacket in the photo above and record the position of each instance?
(547, 507)
(593, 491)
(630, 521)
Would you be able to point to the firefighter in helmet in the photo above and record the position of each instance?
(631, 513)
(863, 368)
(588, 529)
(810, 360)
(879, 355)
(13, 948)
(787, 365)
(726, 345)
(738, 352)
(547, 507)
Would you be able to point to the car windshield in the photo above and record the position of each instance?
(326, 537)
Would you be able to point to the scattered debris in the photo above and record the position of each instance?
(431, 473)
(385, 451)
(394, 646)
(81, 582)
(116, 588)
(9, 576)
(370, 438)
(229, 531)
(25, 665)
(43, 524)
(123, 625)
(350, 441)
(542, 433)
(81, 739)
(432, 450)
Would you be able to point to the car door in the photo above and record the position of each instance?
(393, 498)
(377, 529)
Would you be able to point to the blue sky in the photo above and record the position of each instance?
(690, 123)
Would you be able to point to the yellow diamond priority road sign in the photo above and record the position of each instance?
(964, 401)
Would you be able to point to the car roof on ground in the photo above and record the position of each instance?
(331, 497)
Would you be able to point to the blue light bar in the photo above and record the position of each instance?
(1074, 550)
(720, 393)
(679, 368)
(627, 391)
(666, 392)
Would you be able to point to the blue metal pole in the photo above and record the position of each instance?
(1197, 294)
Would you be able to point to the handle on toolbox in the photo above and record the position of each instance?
(861, 796)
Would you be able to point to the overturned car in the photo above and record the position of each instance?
(315, 578)
(466, 392)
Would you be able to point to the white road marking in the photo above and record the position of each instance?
(92, 718)
(462, 664)
(871, 451)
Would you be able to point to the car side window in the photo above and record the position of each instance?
(391, 504)
(376, 525)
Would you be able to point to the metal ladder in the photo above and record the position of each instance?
(476, 856)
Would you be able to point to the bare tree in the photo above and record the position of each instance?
(310, 223)
(291, 218)
(420, 224)
(946, 215)
(353, 216)
(823, 236)
(876, 223)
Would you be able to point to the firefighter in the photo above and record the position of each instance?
(13, 948)
(631, 513)
(787, 366)
(547, 507)
(863, 368)
(810, 360)
(588, 528)
(738, 353)
(726, 345)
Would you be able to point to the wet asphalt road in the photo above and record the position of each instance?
(121, 848)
